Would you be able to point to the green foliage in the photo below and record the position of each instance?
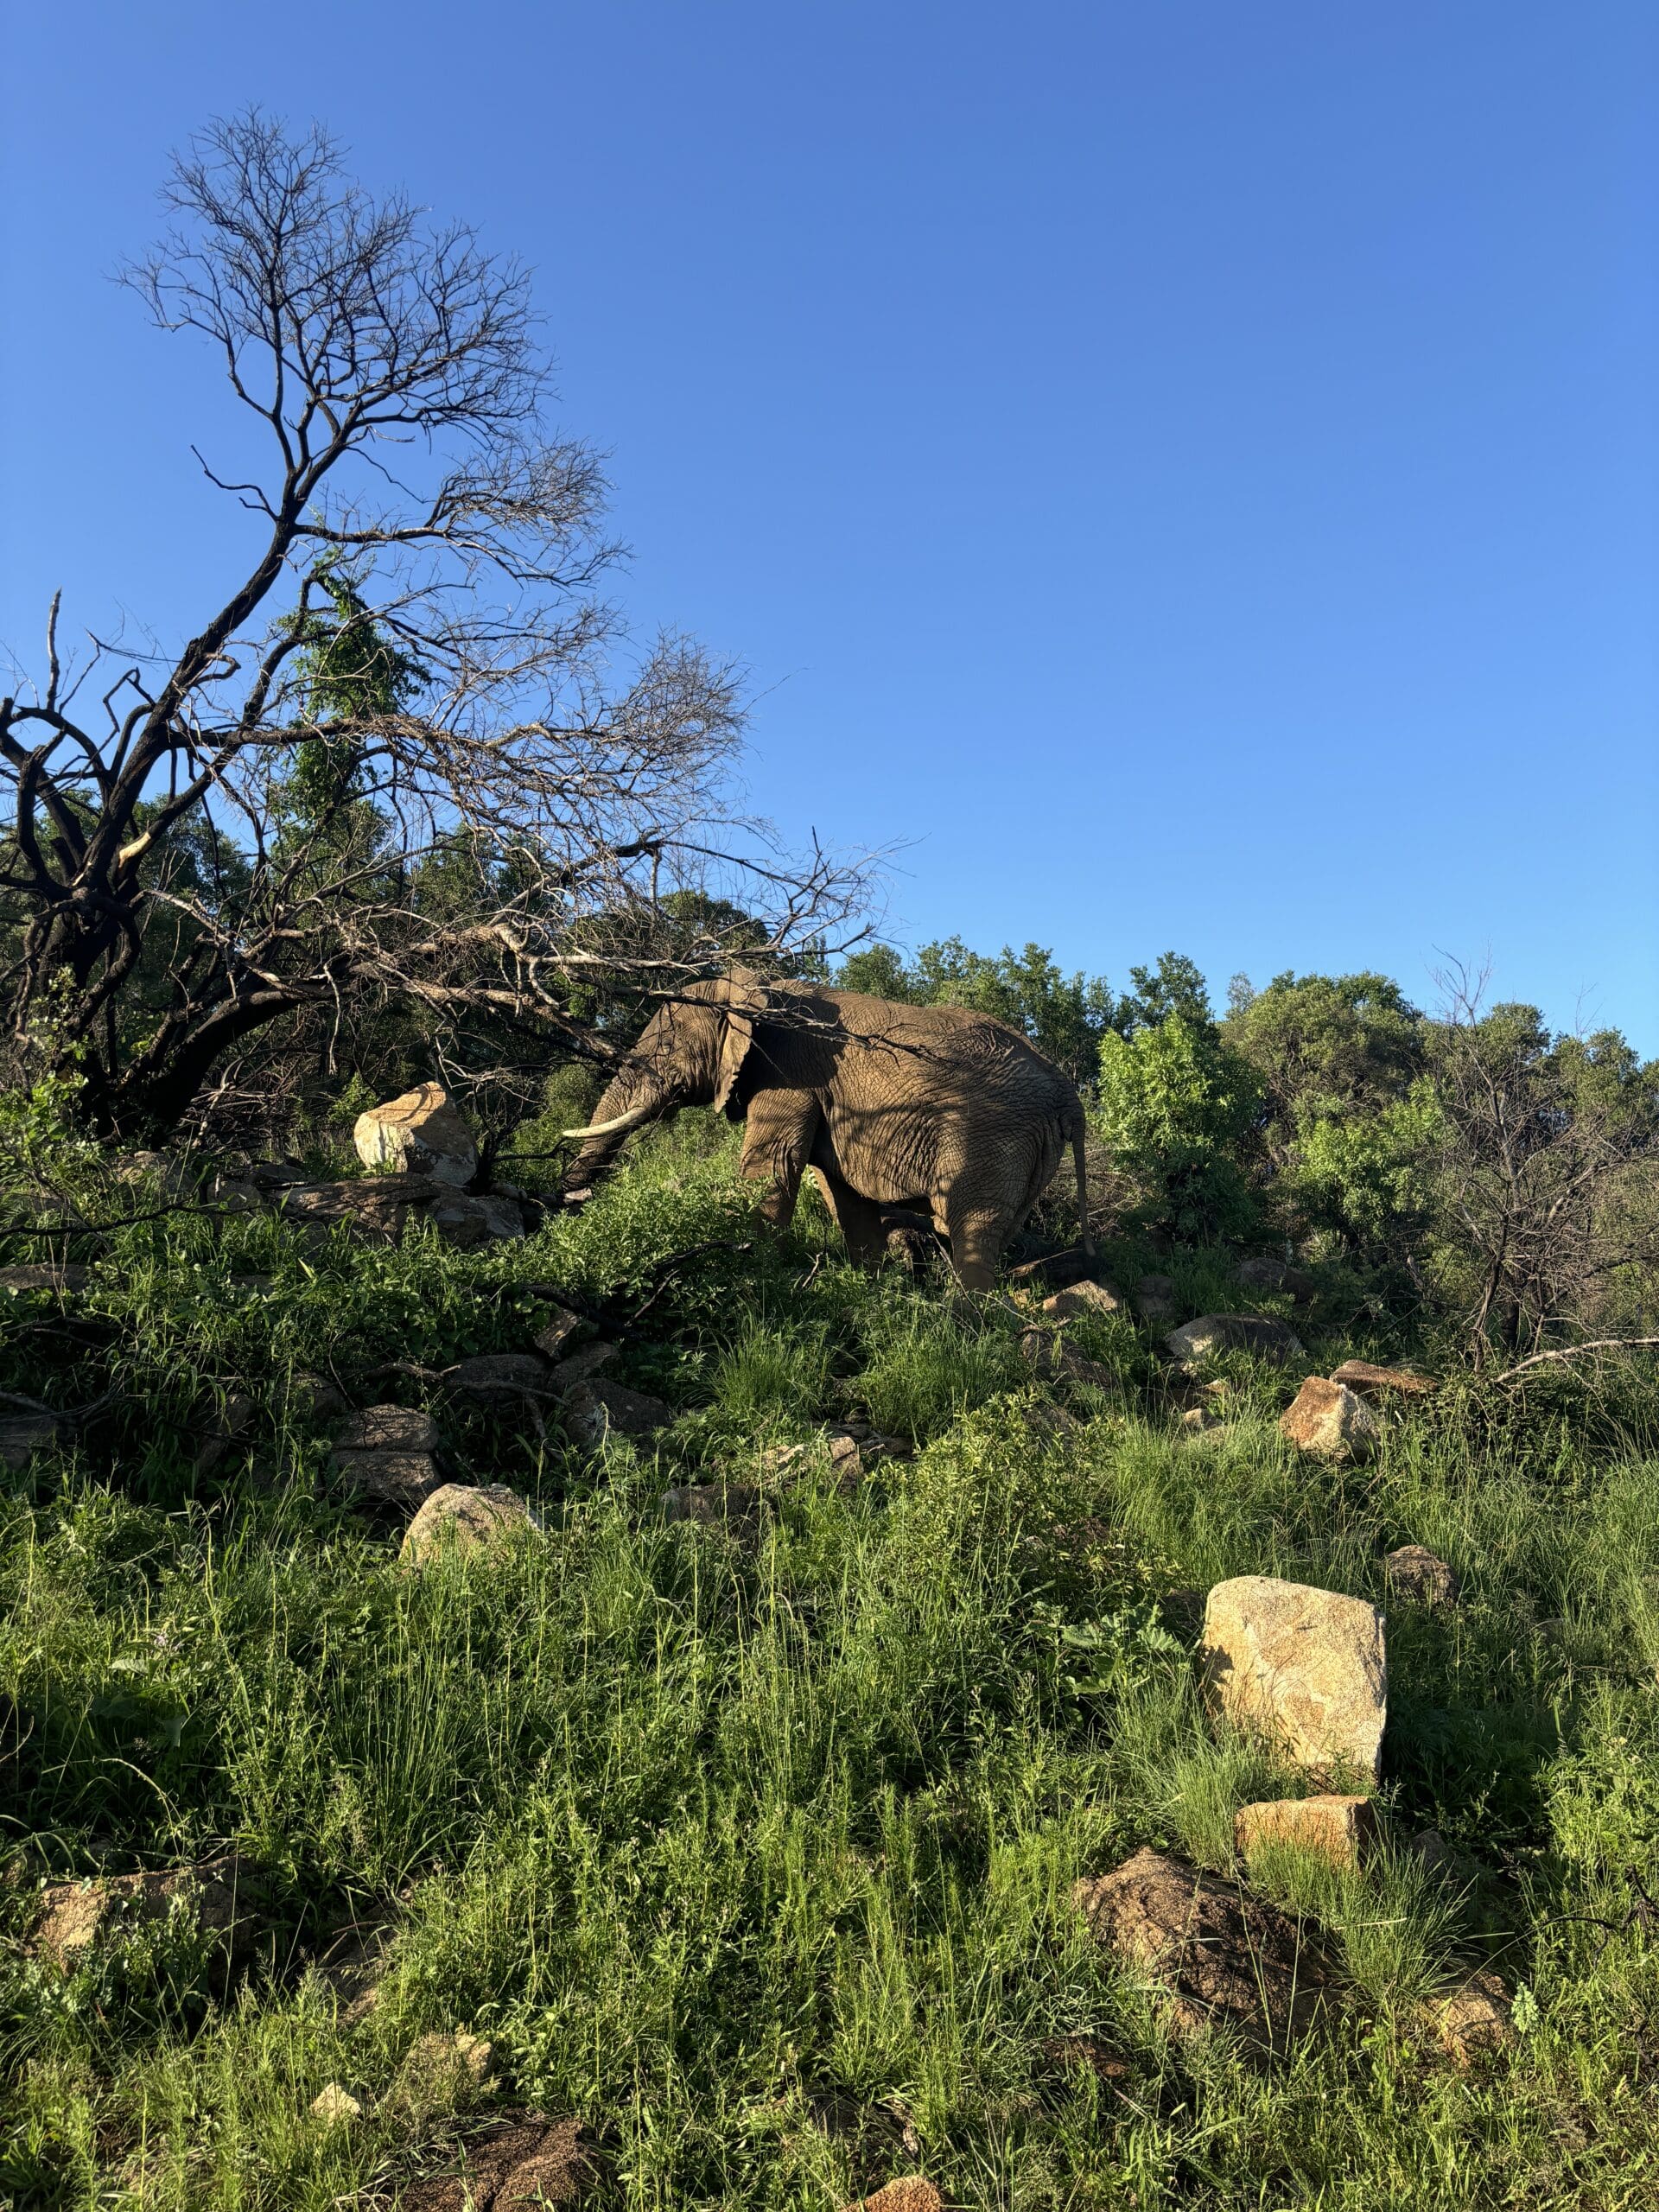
(1176, 1104)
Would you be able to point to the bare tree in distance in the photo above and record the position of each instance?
(395, 761)
(1544, 1170)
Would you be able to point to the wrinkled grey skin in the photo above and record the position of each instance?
(934, 1107)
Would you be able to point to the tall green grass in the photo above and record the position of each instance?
(753, 1845)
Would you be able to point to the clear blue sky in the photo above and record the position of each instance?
(1188, 469)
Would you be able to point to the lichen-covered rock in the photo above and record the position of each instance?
(419, 1132)
(1383, 1382)
(73, 1915)
(1213, 1333)
(1329, 1421)
(460, 1517)
(334, 2105)
(1305, 1670)
(1339, 1828)
(1416, 1574)
(1216, 1955)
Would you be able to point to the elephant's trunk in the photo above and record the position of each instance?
(631, 1098)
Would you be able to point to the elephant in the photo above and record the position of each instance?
(936, 1108)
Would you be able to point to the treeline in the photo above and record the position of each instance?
(1471, 1160)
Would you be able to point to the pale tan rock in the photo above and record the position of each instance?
(1473, 2020)
(1416, 1574)
(1083, 1300)
(1383, 1382)
(333, 2105)
(460, 1518)
(1217, 1955)
(1305, 1670)
(1330, 1421)
(1342, 1830)
(419, 1132)
(1214, 1334)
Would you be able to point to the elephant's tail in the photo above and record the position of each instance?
(1087, 1241)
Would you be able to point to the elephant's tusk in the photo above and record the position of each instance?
(615, 1125)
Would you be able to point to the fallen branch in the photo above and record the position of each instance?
(1577, 1352)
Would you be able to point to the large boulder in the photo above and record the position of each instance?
(459, 1518)
(1216, 1955)
(420, 1133)
(1306, 1670)
(1329, 1421)
(1214, 1334)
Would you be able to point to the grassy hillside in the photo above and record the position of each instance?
(751, 1845)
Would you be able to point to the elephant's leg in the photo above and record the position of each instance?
(858, 1219)
(779, 1129)
(977, 1233)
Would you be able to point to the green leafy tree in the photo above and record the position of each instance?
(1065, 1016)
(1346, 1114)
(1177, 1106)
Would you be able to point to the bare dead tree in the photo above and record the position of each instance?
(1546, 1172)
(492, 820)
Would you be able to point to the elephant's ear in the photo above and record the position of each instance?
(736, 1037)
